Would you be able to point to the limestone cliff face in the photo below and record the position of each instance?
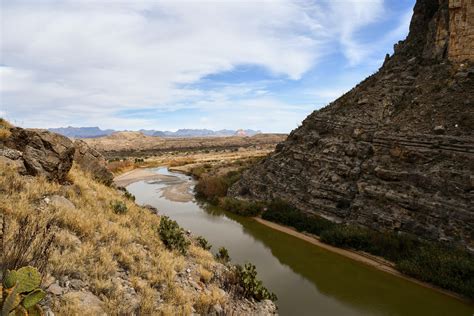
(397, 151)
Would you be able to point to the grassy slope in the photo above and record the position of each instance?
(94, 244)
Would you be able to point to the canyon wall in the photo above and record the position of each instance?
(397, 151)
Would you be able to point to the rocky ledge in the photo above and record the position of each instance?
(40, 152)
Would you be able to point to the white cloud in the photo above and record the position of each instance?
(84, 61)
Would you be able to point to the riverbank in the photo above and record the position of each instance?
(305, 277)
(367, 259)
(135, 175)
(177, 190)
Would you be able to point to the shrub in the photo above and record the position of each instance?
(119, 207)
(451, 269)
(120, 166)
(223, 255)
(387, 245)
(281, 212)
(241, 207)
(172, 235)
(448, 268)
(129, 196)
(211, 188)
(252, 287)
(203, 243)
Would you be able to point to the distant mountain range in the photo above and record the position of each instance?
(93, 132)
(81, 132)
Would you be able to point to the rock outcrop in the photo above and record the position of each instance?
(397, 151)
(90, 160)
(42, 152)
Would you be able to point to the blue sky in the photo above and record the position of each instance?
(188, 64)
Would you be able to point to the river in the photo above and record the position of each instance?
(308, 280)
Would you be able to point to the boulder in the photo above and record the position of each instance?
(91, 161)
(12, 157)
(59, 202)
(86, 302)
(44, 153)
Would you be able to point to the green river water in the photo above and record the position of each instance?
(308, 280)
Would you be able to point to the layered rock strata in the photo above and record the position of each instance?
(397, 151)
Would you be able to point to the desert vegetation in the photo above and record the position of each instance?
(251, 285)
(4, 129)
(173, 236)
(449, 268)
(93, 234)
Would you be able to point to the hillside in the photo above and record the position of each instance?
(137, 144)
(99, 252)
(396, 153)
(92, 132)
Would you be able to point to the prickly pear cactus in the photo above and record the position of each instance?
(20, 293)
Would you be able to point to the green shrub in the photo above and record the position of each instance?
(281, 212)
(119, 207)
(252, 287)
(223, 255)
(211, 188)
(203, 243)
(388, 245)
(172, 235)
(129, 196)
(448, 268)
(241, 207)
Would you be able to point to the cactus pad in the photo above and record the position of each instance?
(10, 279)
(33, 298)
(28, 279)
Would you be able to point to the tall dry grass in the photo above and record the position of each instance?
(5, 127)
(93, 243)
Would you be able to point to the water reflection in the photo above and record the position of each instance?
(307, 279)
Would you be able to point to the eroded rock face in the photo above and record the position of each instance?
(43, 152)
(394, 153)
(90, 160)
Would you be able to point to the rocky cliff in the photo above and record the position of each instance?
(397, 151)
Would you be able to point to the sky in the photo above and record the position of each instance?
(174, 64)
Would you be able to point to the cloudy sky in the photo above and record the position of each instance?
(188, 64)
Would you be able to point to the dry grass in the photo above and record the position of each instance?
(207, 300)
(25, 242)
(94, 244)
(205, 275)
(4, 129)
